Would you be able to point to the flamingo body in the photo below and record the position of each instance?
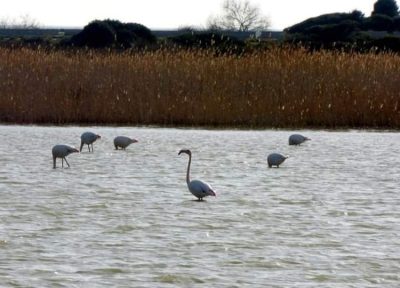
(198, 188)
(297, 139)
(62, 151)
(88, 138)
(275, 159)
(123, 142)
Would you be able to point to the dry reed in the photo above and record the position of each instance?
(279, 88)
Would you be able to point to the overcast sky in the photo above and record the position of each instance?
(168, 14)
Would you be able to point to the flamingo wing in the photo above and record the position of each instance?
(201, 189)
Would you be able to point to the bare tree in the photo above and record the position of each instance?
(24, 22)
(27, 22)
(240, 16)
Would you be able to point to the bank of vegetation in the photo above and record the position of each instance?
(274, 88)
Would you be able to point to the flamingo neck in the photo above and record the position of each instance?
(188, 170)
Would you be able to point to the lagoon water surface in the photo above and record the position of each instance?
(328, 217)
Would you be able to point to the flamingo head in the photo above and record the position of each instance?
(98, 136)
(212, 193)
(72, 150)
(134, 140)
(186, 151)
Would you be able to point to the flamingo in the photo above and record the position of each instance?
(275, 159)
(198, 188)
(61, 151)
(123, 142)
(88, 138)
(297, 139)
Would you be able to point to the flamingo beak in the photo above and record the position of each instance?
(212, 193)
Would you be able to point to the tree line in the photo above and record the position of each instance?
(351, 30)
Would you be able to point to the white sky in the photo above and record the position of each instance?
(167, 14)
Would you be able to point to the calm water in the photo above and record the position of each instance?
(329, 217)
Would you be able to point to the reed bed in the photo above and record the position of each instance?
(278, 88)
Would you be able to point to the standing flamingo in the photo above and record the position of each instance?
(198, 188)
(62, 151)
(88, 138)
(123, 142)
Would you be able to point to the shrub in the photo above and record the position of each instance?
(97, 34)
(396, 23)
(113, 33)
(378, 22)
(386, 7)
(325, 19)
(131, 34)
(333, 32)
(388, 43)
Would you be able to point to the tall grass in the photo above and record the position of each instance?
(279, 88)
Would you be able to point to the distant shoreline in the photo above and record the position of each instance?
(159, 33)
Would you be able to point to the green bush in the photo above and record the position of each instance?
(131, 34)
(97, 34)
(325, 19)
(386, 7)
(396, 23)
(378, 22)
(387, 44)
(113, 33)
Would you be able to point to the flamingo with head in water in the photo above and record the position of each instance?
(123, 142)
(297, 139)
(88, 138)
(62, 151)
(275, 159)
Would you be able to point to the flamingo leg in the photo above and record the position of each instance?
(66, 161)
(54, 162)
